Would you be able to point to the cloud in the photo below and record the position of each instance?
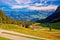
(43, 7)
(49, 7)
(21, 4)
(17, 6)
(23, 1)
(39, 4)
(26, 4)
(52, 0)
(7, 2)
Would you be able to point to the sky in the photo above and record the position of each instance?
(30, 4)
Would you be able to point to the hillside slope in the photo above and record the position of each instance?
(52, 21)
(55, 17)
(8, 20)
(5, 19)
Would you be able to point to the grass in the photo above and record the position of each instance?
(1, 38)
(20, 29)
(52, 25)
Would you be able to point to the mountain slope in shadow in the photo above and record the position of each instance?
(54, 18)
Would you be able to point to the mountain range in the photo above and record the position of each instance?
(28, 15)
(55, 17)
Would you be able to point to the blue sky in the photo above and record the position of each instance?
(30, 4)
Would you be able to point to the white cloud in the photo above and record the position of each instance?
(22, 4)
(25, 4)
(16, 6)
(50, 7)
(8, 2)
(52, 0)
(23, 1)
(19, 6)
(39, 4)
(43, 7)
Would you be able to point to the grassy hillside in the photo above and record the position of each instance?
(8, 20)
(4, 18)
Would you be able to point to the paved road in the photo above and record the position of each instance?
(17, 37)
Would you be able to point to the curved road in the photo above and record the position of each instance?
(18, 37)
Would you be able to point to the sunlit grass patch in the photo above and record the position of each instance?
(1, 38)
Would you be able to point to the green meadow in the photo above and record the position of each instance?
(1, 38)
